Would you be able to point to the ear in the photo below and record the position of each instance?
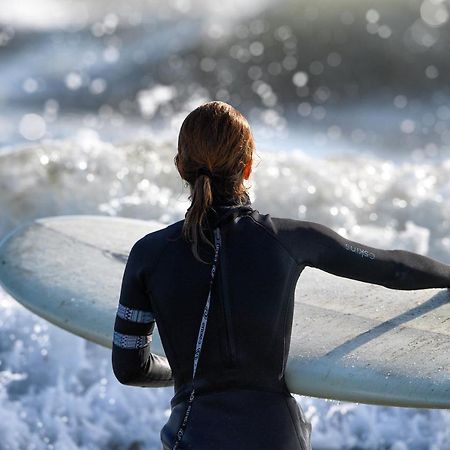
(247, 170)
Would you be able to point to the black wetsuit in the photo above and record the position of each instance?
(241, 402)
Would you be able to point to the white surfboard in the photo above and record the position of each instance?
(351, 340)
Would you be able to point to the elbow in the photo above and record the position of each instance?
(121, 372)
(123, 376)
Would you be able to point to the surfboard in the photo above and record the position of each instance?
(351, 341)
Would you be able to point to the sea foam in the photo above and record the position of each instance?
(58, 391)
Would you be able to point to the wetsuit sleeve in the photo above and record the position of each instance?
(132, 361)
(317, 245)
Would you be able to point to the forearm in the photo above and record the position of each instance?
(415, 271)
(140, 367)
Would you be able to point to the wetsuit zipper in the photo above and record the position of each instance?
(226, 308)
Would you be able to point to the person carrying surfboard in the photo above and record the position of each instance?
(220, 285)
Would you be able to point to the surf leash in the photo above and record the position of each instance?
(201, 334)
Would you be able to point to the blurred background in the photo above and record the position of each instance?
(349, 105)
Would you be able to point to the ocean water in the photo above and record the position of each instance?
(92, 95)
(59, 399)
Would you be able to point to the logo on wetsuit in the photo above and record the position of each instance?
(360, 251)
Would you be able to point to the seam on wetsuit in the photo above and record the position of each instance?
(292, 281)
(295, 273)
(270, 233)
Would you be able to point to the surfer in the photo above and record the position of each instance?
(220, 285)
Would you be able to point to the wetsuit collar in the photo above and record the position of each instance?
(230, 203)
(225, 210)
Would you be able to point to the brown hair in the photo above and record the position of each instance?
(217, 136)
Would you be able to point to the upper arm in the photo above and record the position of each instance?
(327, 250)
(316, 245)
(133, 291)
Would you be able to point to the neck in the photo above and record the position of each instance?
(242, 201)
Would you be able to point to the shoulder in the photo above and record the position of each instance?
(279, 225)
(150, 246)
(163, 234)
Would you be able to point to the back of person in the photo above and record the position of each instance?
(242, 401)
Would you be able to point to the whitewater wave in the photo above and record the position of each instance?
(58, 399)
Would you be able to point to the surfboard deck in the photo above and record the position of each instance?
(351, 341)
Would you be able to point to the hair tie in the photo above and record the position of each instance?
(204, 171)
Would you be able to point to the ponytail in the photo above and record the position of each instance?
(193, 227)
